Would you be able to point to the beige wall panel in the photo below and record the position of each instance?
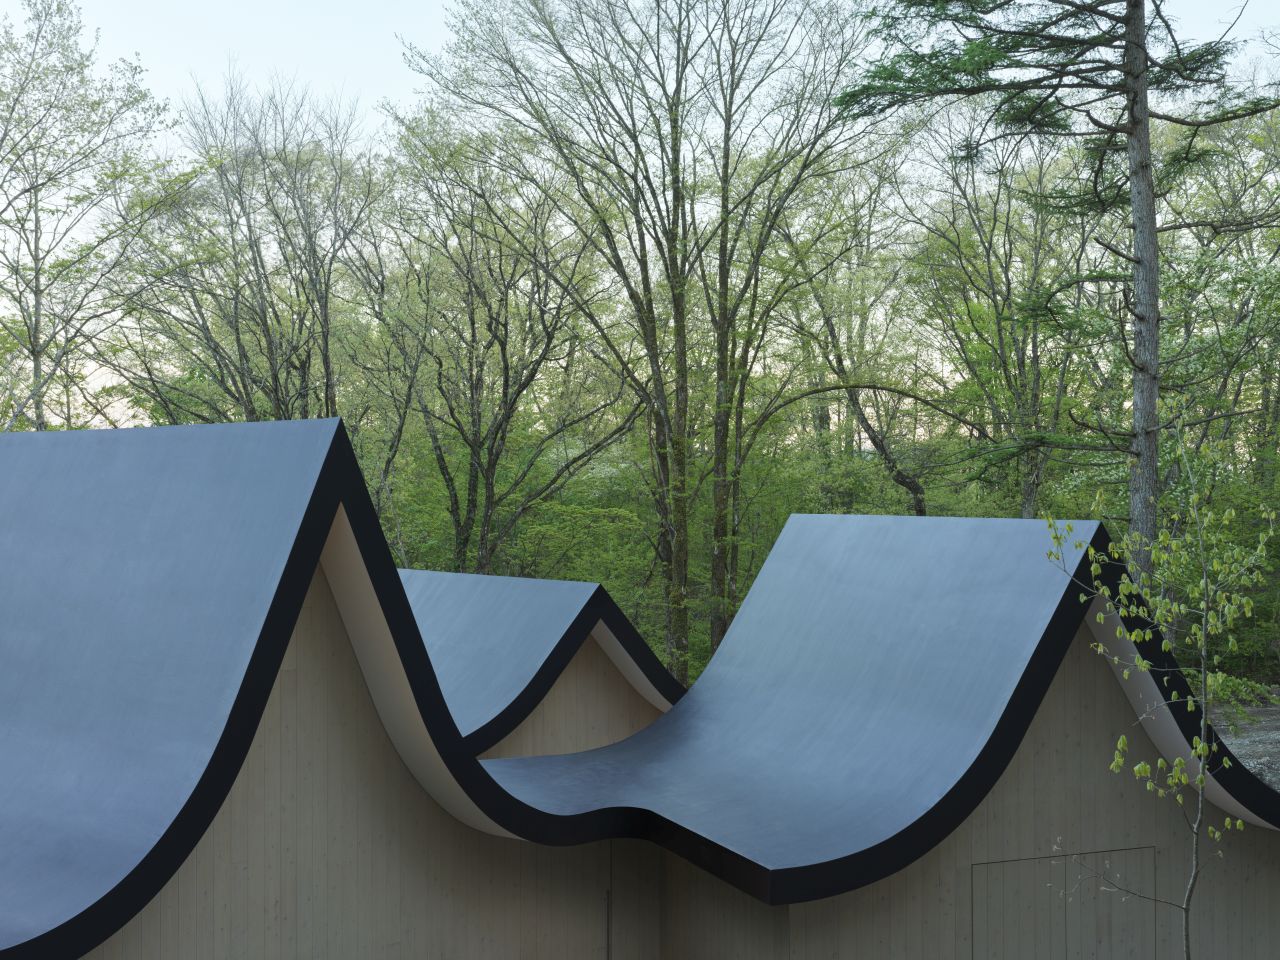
(1057, 802)
(704, 918)
(1095, 906)
(589, 705)
(635, 902)
(328, 849)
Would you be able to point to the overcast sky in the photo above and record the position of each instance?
(351, 46)
(332, 46)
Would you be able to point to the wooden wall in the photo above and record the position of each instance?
(1042, 861)
(590, 704)
(328, 848)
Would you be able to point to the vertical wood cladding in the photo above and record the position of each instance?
(1060, 814)
(590, 705)
(328, 849)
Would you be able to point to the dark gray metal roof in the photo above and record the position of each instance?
(139, 572)
(151, 581)
(488, 636)
(498, 643)
(874, 685)
(869, 669)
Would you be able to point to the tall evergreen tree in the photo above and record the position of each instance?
(1102, 70)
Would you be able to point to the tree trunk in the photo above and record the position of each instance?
(326, 364)
(720, 497)
(678, 594)
(912, 486)
(1268, 429)
(37, 391)
(1145, 306)
(676, 242)
(720, 600)
(675, 555)
(37, 327)
(1032, 472)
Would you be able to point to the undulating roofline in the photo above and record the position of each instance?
(157, 576)
(497, 644)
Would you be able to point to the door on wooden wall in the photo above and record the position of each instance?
(1092, 906)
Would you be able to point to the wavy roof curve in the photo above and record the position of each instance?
(875, 683)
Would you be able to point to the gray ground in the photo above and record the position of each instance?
(1258, 744)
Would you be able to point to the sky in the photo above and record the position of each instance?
(346, 47)
(350, 47)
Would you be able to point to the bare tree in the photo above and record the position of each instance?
(686, 131)
(512, 406)
(71, 138)
(237, 319)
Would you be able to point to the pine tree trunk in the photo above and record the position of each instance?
(1144, 307)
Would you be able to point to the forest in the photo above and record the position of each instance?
(634, 281)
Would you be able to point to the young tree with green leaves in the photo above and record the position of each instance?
(1191, 600)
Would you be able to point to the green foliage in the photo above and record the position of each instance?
(932, 318)
(1187, 593)
(73, 145)
(1028, 57)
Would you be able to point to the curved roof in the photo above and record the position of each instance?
(874, 685)
(145, 572)
(498, 643)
